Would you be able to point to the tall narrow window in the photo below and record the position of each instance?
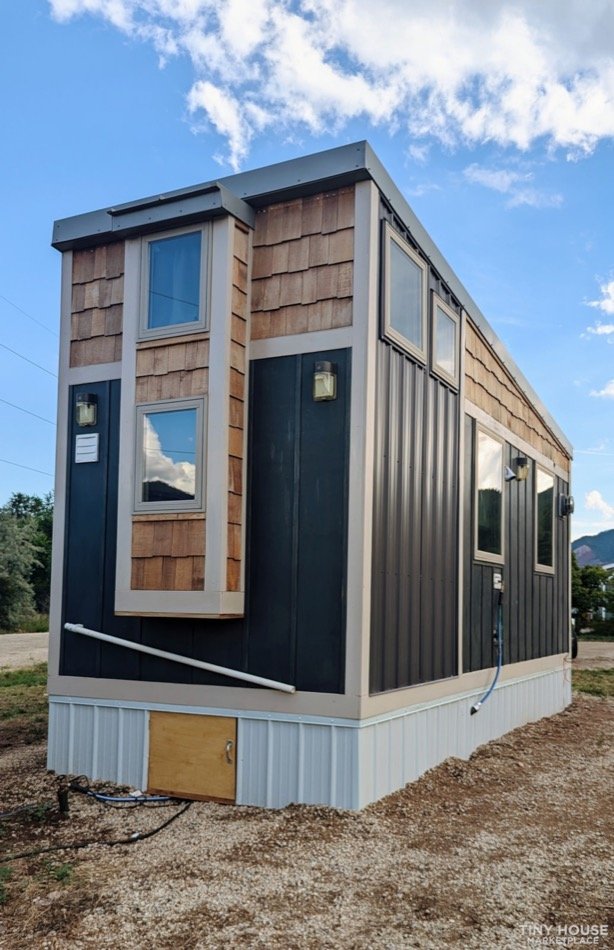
(489, 497)
(544, 520)
(174, 281)
(445, 341)
(169, 460)
(405, 295)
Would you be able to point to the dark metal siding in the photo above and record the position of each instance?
(294, 629)
(535, 605)
(415, 523)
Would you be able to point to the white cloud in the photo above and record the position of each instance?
(606, 304)
(607, 392)
(512, 183)
(469, 72)
(224, 112)
(180, 475)
(594, 500)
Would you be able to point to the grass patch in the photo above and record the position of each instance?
(6, 874)
(595, 682)
(37, 623)
(62, 873)
(23, 704)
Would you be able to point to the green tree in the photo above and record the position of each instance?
(38, 512)
(591, 589)
(18, 553)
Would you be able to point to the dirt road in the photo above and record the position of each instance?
(19, 650)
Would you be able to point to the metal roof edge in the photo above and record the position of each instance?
(149, 214)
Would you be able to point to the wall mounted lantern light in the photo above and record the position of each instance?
(86, 409)
(324, 381)
(521, 467)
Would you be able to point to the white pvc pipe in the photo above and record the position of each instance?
(177, 658)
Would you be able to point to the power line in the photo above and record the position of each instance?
(38, 366)
(21, 409)
(29, 316)
(18, 465)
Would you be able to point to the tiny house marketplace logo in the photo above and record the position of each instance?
(565, 935)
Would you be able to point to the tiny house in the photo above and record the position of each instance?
(307, 505)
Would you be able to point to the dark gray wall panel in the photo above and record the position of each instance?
(294, 629)
(535, 604)
(415, 526)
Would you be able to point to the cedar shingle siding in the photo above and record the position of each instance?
(490, 387)
(97, 305)
(303, 265)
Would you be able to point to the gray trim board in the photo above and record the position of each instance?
(150, 214)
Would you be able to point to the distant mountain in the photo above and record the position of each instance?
(595, 548)
(157, 490)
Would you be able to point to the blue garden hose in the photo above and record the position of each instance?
(499, 628)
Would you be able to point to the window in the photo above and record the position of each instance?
(445, 341)
(405, 295)
(544, 520)
(174, 282)
(489, 497)
(170, 464)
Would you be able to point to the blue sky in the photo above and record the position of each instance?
(496, 122)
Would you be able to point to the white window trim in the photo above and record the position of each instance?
(486, 556)
(174, 405)
(420, 353)
(543, 568)
(176, 329)
(438, 370)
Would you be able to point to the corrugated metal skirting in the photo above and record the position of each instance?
(341, 763)
(100, 741)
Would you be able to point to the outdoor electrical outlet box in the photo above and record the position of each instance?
(497, 581)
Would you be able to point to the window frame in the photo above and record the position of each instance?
(172, 405)
(438, 370)
(538, 567)
(389, 332)
(486, 556)
(176, 329)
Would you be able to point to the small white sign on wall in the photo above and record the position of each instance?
(86, 448)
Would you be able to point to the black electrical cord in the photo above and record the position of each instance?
(74, 845)
(81, 784)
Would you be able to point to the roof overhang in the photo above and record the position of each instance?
(176, 208)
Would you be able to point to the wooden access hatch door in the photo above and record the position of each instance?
(193, 756)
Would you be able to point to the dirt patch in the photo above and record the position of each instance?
(594, 654)
(470, 856)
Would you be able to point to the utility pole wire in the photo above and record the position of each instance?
(28, 467)
(38, 366)
(21, 409)
(33, 319)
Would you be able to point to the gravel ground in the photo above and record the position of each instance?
(471, 856)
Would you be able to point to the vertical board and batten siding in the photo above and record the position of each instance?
(415, 522)
(294, 630)
(535, 604)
